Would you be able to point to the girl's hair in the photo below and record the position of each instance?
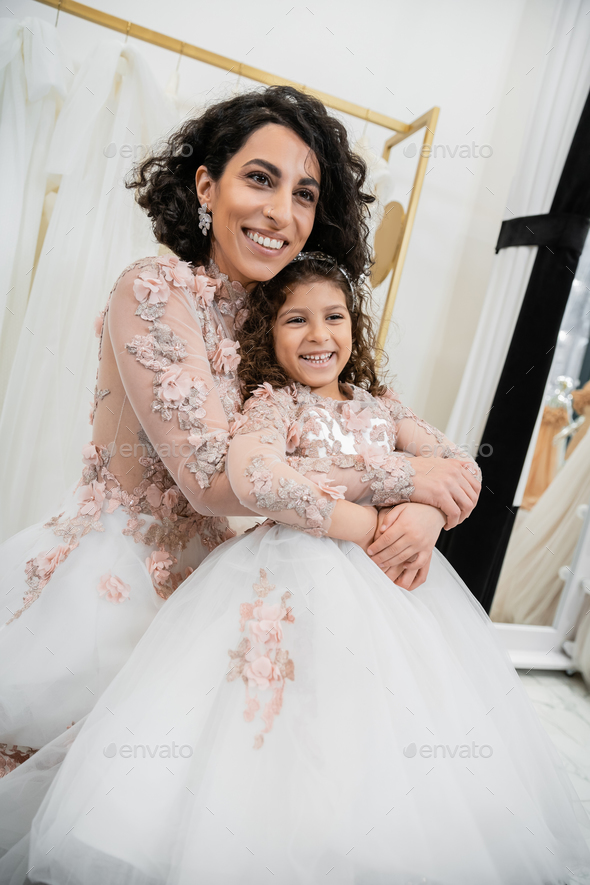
(258, 358)
(165, 180)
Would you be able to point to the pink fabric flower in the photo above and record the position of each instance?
(91, 498)
(226, 357)
(293, 437)
(114, 588)
(48, 562)
(90, 455)
(205, 288)
(373, 454)
(335, 492)
(153, 288)
(153, 496)
(265, 391)
(261, 478)
(267, 625)
(239, 421)
(158, 565)
(262, 673)
(176, 271)
(355, 417)
(170, 499)
(175, 384)
(98, 323)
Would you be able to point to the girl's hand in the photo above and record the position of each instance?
(404, 541)
(447, 484)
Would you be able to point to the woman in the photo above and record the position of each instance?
(238, 192)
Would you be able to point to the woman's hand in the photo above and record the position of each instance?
(447, 484)
(404, 541)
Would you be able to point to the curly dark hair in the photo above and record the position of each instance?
(165, 180)
(258, 358)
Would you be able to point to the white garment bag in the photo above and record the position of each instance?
(33, 83)
(114, 111)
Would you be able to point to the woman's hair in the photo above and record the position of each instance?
(165, 180)
(258, 358)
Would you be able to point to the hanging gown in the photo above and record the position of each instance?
(292, 715)
(81, 588)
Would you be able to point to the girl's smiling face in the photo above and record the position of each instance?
(313, 336)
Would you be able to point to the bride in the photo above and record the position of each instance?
(235, 195)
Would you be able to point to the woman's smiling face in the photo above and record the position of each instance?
(263, 206)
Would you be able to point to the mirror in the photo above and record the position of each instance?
(554, 490)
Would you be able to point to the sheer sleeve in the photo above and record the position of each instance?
(164, 367)
(261, 476)
(419, 438)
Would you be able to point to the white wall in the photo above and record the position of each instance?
(477, 60)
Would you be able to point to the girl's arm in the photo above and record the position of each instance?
(163, 364)
(265, 483)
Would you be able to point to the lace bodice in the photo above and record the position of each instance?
(294, 454)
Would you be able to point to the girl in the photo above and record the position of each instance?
(291, 713)
(81, 589)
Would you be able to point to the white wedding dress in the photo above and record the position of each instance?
(292, 716)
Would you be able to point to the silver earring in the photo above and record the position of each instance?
(204, 219)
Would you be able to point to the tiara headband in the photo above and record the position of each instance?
(328, 259)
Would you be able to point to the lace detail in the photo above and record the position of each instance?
(291, 495)
(99, 492)
(11, 756)
(259, 658)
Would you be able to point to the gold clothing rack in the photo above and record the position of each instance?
(397, 223)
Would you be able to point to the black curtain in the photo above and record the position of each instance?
(476, 548)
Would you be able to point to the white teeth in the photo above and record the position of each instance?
(315, 358)
(265, 241)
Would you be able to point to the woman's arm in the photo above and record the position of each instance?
(165, 370)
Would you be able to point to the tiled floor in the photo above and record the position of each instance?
(563, 705)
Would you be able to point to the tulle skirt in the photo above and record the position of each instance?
(60, 651)
(292, 716)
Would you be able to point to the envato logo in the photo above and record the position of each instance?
(145, 751)
(465, 151)
(463, 751)
(139, 151)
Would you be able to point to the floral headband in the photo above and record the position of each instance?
(328, 259)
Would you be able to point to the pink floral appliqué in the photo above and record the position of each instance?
(355, 416)
(148, 286)
(259, 658)
(175, 384)
(158, 565)
(226, 358)
(114, 588)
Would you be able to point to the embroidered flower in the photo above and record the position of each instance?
(47, 563)
(90, 455)
(176, 271)
(205, 288)
(169, 499)
(355, 416)
(293, 437)
(158, 565)
(91, 498)
(155, 289)
(266, 627)
(372, 453)
(226, 358)
(98, 324)
(264, 391)
(238, 422)
(114, 588)
(153, 496)
(262, 673)
(336, 492)
(174, 385)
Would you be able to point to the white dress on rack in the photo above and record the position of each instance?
(32, 86)
(113, 112)
(292, 715)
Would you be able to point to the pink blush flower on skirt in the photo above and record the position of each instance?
(113, 588)
(158, 565)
